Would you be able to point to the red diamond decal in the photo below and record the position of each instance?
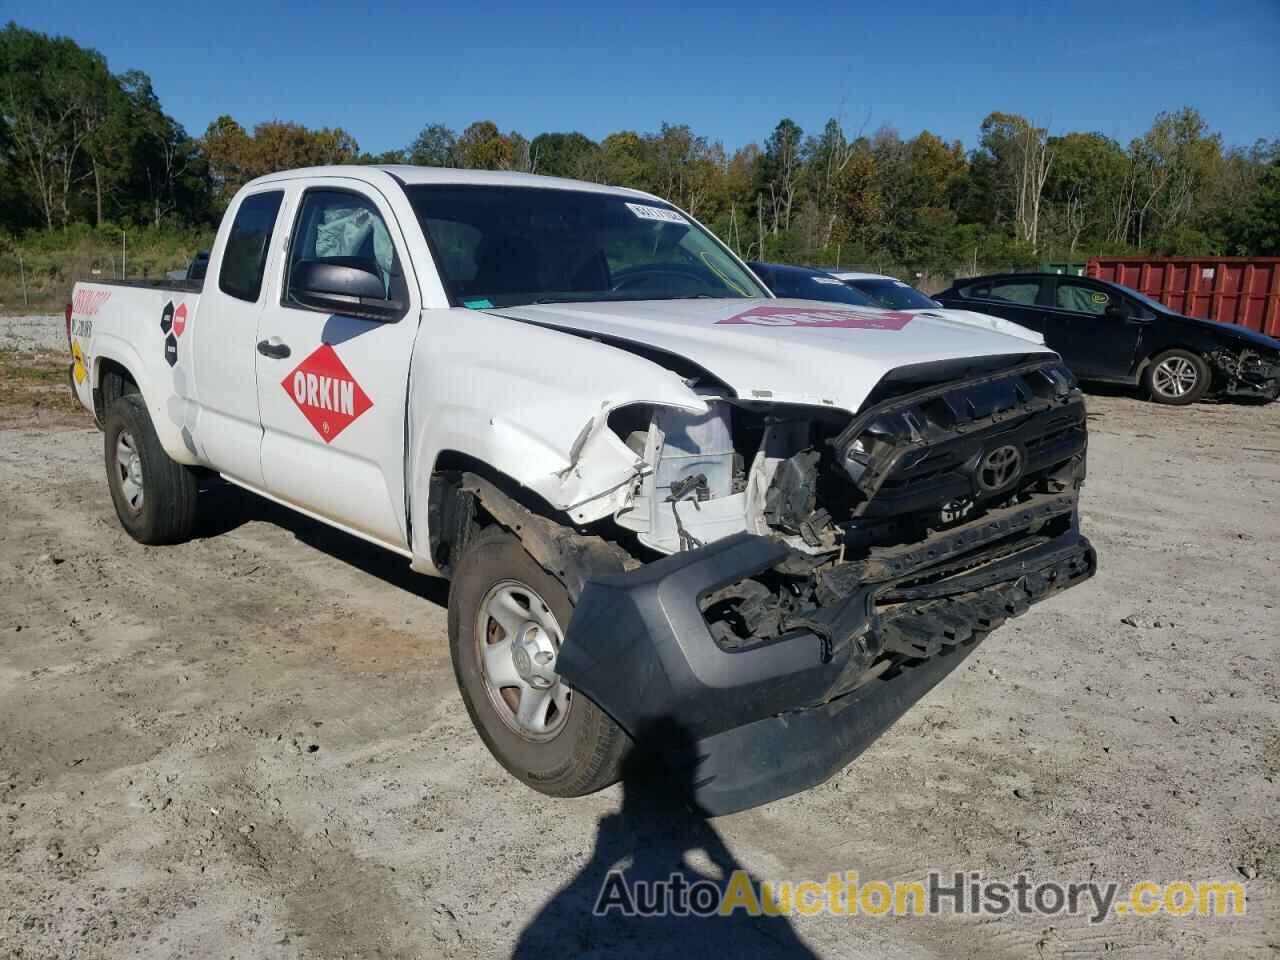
(326, 392)
(180, 320)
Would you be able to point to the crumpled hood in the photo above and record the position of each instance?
(984, 321)
(793, 351)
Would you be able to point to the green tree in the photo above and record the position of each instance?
(778, 174)
(50, 98)
(571, 155)
(235, 157)
(1084, 188)
(483, 147)
(1254, 228)
(436, 145)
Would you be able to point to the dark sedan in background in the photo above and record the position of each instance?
(1110, 333)
(807, 283)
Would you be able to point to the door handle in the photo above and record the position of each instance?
(273, 348)
(1138, 321)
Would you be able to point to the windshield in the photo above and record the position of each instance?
(507, 246)
(894, 295)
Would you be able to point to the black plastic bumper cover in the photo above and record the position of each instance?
(773, 719)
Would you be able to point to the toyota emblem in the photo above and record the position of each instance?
(999, 468)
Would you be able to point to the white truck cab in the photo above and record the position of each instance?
(678, 513)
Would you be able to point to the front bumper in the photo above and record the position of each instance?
(775, 718)
(1246, 373)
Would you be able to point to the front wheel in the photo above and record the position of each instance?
(506, 622)
(154, 497)
(1177, 377)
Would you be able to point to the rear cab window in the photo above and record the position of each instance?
(244, 259)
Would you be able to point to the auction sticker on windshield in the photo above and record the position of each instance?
(644, 212)
(819, 317)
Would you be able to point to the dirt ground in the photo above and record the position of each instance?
(251, 745)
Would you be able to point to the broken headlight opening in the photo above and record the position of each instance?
(1246, 372)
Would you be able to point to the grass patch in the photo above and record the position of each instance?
(38, 269)
(33, 385)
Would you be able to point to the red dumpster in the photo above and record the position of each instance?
(1240, 290)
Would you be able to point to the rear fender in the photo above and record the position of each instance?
(167, 410)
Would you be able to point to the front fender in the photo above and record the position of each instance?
(530, 403)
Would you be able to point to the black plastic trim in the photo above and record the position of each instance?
(773, 718)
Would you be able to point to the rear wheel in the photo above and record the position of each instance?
(1177, 377)
(154, 497)
(506, 622)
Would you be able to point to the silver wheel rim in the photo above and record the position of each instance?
(517, 640)
(129, 470)
(1174, 377)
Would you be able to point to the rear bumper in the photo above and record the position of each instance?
(778, 717)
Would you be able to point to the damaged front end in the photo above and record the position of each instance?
(1244, 371)
(823, 573)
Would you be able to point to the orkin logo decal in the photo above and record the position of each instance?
(326, 392)
(821, 317)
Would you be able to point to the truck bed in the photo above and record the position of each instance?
(175, 286)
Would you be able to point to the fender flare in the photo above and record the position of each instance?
(119, 351)
(569, 556)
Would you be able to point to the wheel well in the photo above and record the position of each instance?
(454, 516)
(114, 381)
(467, 495)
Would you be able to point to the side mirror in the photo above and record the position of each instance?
(1116, 311)
(347, 285)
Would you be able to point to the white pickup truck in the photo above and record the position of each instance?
(677, 513)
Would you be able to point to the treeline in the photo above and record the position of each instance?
(82, 145)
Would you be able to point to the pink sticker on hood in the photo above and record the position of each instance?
(821, 317)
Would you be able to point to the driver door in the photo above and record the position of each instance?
(332, 388)
(1096, 329)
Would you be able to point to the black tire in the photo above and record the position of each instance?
(114, 386)
(1163, 387)
(165, 510)
(586, 751)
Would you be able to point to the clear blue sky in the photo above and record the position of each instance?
(382, 70)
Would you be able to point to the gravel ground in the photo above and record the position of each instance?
(33, 333)
(251, 745)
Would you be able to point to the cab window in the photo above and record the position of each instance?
(340, 226)
(244, 258)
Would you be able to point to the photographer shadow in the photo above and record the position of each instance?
(655, 837)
